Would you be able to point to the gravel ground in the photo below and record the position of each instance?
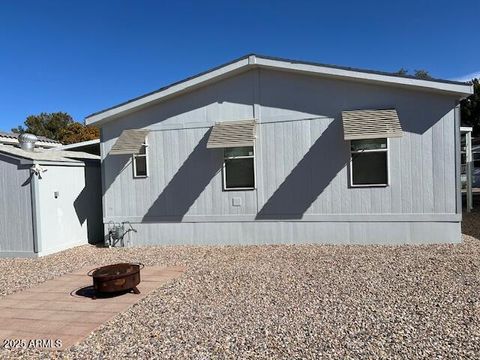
(292, 301)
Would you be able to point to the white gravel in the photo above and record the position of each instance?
(302, 301)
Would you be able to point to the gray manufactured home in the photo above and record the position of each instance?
(265, 150)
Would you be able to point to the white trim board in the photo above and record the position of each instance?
(77, 145)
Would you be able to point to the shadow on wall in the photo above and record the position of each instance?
(298, 96)
(88, 204)
(188, 183)
(418, 110)
(113, 166)
(20, 167)
(309, 177)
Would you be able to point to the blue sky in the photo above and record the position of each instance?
(83, 56)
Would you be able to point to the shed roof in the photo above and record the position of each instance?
(47, 155)
(15, 136)
(80, 144)
(457, 89)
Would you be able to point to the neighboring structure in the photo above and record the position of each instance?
(41, 143)
(267, 150)
(49, 200)
(476, 162)
(466, 173)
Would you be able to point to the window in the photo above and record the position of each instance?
(140, 162)
(369, 162)
(239, 168)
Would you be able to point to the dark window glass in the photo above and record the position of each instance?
(141, 166)
(239, 173)
(369, 168)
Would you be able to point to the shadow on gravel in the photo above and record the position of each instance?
(90, 292)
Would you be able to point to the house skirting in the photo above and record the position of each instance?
(294, 232)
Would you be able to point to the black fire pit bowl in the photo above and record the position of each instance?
(116, 278)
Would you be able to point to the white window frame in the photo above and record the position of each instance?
(135, 156)
(387, 150)
(224, 171)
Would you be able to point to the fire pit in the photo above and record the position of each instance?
(116, 278)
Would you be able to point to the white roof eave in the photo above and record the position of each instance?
(76, 145)
(460, 90)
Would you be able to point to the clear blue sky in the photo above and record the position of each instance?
(83, 56)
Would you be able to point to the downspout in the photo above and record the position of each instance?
(34, 190)
(103, 155)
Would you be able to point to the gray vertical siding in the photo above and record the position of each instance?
(302, 164)
(16, 227)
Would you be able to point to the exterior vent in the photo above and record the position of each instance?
(27, 141)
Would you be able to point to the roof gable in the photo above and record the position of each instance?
(248, 62)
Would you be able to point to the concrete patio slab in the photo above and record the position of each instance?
(54, 311)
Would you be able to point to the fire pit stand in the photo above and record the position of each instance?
(117, 277)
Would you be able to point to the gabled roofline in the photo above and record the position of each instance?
(250, 61)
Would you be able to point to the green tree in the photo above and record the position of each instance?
(44, 124)
(402, 71)
(58, 126)
(420, 74)
(470, 108)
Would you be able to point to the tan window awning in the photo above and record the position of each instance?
(129, 142)
(371, 124)
(232, 134)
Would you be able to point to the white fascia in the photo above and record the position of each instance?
(170, 91)
(454, 89)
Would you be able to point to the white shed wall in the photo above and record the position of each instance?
(60, 225)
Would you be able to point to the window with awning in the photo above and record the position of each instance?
(237, 138)
(369, 162)
(371, 124)
(129, 142)
(232, 134)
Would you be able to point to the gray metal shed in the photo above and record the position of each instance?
(332, 155)
(50, 200)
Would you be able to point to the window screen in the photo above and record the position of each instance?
(239, 171)
(369, 162)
